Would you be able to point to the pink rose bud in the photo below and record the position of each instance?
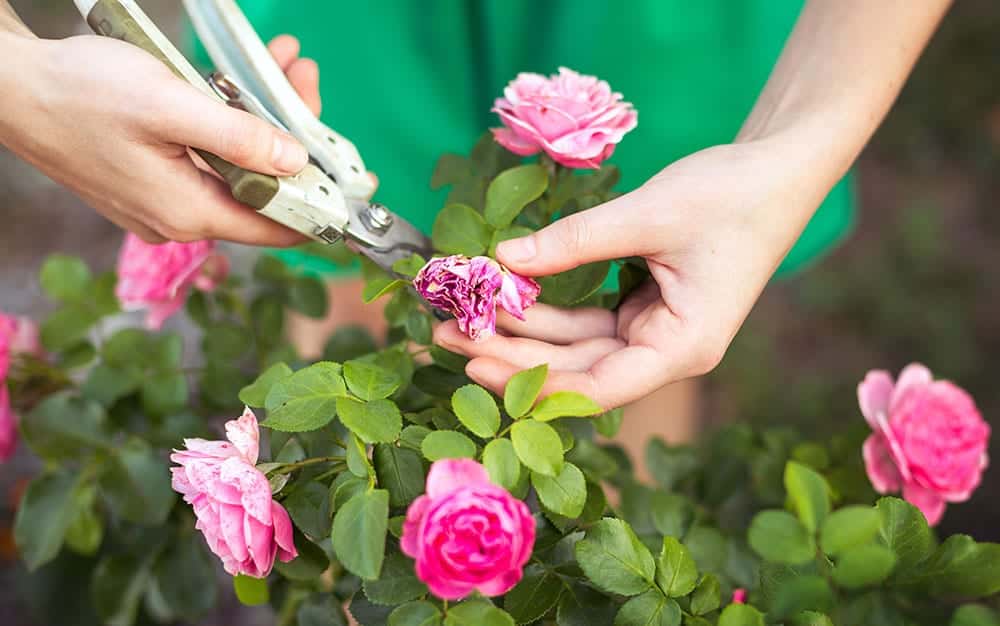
(466, 533)
(577, 120)
(232, 500)
(930, 440)
(739, 596)
(8, 426)
(158, 278)
(470, 289)
(18, 335)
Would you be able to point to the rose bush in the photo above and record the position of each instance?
(417, 497)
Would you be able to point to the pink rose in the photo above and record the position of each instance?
(577, 120)
(930, 440)
(232, 500)
(470, 289)
(157, 278)
(739, 596)
(8, 425)
(18, 335)
(466, 533)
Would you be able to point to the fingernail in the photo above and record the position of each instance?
(517, 250)
(289, 155)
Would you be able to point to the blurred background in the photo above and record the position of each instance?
(916, 281)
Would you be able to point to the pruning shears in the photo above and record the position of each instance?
(328, 201)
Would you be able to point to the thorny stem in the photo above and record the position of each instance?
(291, 467)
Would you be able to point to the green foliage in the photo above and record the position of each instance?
(537, 446)
(614, 559)
(459, 229)
(522, 390)
(359, 531)
(251, 591)
(476, 409)
(564, 494)
(511, 191)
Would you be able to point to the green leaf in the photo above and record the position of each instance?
(67, 326)
(268, 315)
(534, 596)
(184, 576)
(357, 458)
(410, 266)
(574, 286)
(671, 513)
(904, 530)
(779, 537)
(614, 559)
(522, 390)
(309, 564)
(349, 342)
(137, 484)
(974, 615)
(538, 446)
(45, 513)
(306, 400)
(809, 494)
(367, 613)
(401, 472)
(251, 591)
(418, 327)
(309, 507)
(565, 404)
(378, 421)
(255, 394)
(741, 615)
(608, 423)
(450, 361)
(359, 531)
(863, 566)
(420, 613)
(450, 169)
(86, 531)
(564, 494)
(708, 548)
(706, 597)
(116, 588)
(676, 572)
(649, 609)
(397, 584)
(476, 409)
(511, 191)
(65, 278)
(375, 289)
(506, 234)
(501, 462)
(849, 527)
(459, 229)
(447, 444)
(369, 381)
(321, 609)
(670, 465)
(477, 613)
(811, 618)
(584, 606)
(165, 394)
(62, 426)
(307, 295)
(799, 594)
(962, 567)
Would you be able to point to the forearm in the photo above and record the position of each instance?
(10, 24)
(839, 73)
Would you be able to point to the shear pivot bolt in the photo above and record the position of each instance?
(377, 218)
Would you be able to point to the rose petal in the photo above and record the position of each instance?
(245, 435)
(874, 393)
(929, 503)
(447, 475)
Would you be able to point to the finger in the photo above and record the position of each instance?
(303, 74)
(285, 50)
(187, 117)
(609, 231)
(557, 325)
(525, 353)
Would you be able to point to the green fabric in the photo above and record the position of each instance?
(407, 81)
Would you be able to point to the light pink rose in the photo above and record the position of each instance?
(576, 119)
(18, 336)
(232, 500)
(466, 533)
(470, 289)
(930, 440)
(8, 426)
(158, 277)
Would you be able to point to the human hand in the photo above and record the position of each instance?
(712, 227)
(114, 125)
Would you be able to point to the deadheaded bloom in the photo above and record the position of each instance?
(471, 288)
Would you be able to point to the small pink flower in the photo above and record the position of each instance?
(466, 533)
(930, 440)
(158, 277)
(232, 500)
(739, 596)
(18, 336)
(470, 289)
(8, 426)
(576, 119)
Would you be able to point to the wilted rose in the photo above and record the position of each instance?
(231, 498)
(466, 533)
(158, 277)
(930, 440)
(576, 119)
(470, 289)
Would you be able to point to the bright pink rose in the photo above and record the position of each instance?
(18, 335)
(8, 426)
(739, 596)
(242, 524)
(157, 278)
(577, 120)
(466, 533)
(470, 289)
(930, 440)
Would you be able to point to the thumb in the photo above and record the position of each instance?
(198, 121)
(609, 231)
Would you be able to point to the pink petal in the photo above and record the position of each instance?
(159, 312)
(231, 528)
(501, 584)
(913, 375)
(448, 475)
(930, 504)
(261, 546)
(245, 435)
(881, 470)
(283, 533)
(252, 485)
(8, 425)
(410, 543)
(874, 393)
(514, 142)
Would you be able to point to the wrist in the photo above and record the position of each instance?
(16, 83)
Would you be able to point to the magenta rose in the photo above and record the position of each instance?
(158, 277)
(470, 289)
(466, 533)
(8, 426)
(576, 119)
(18, 336)
(930, 440)
(232, 500)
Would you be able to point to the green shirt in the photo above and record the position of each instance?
(409, 80)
